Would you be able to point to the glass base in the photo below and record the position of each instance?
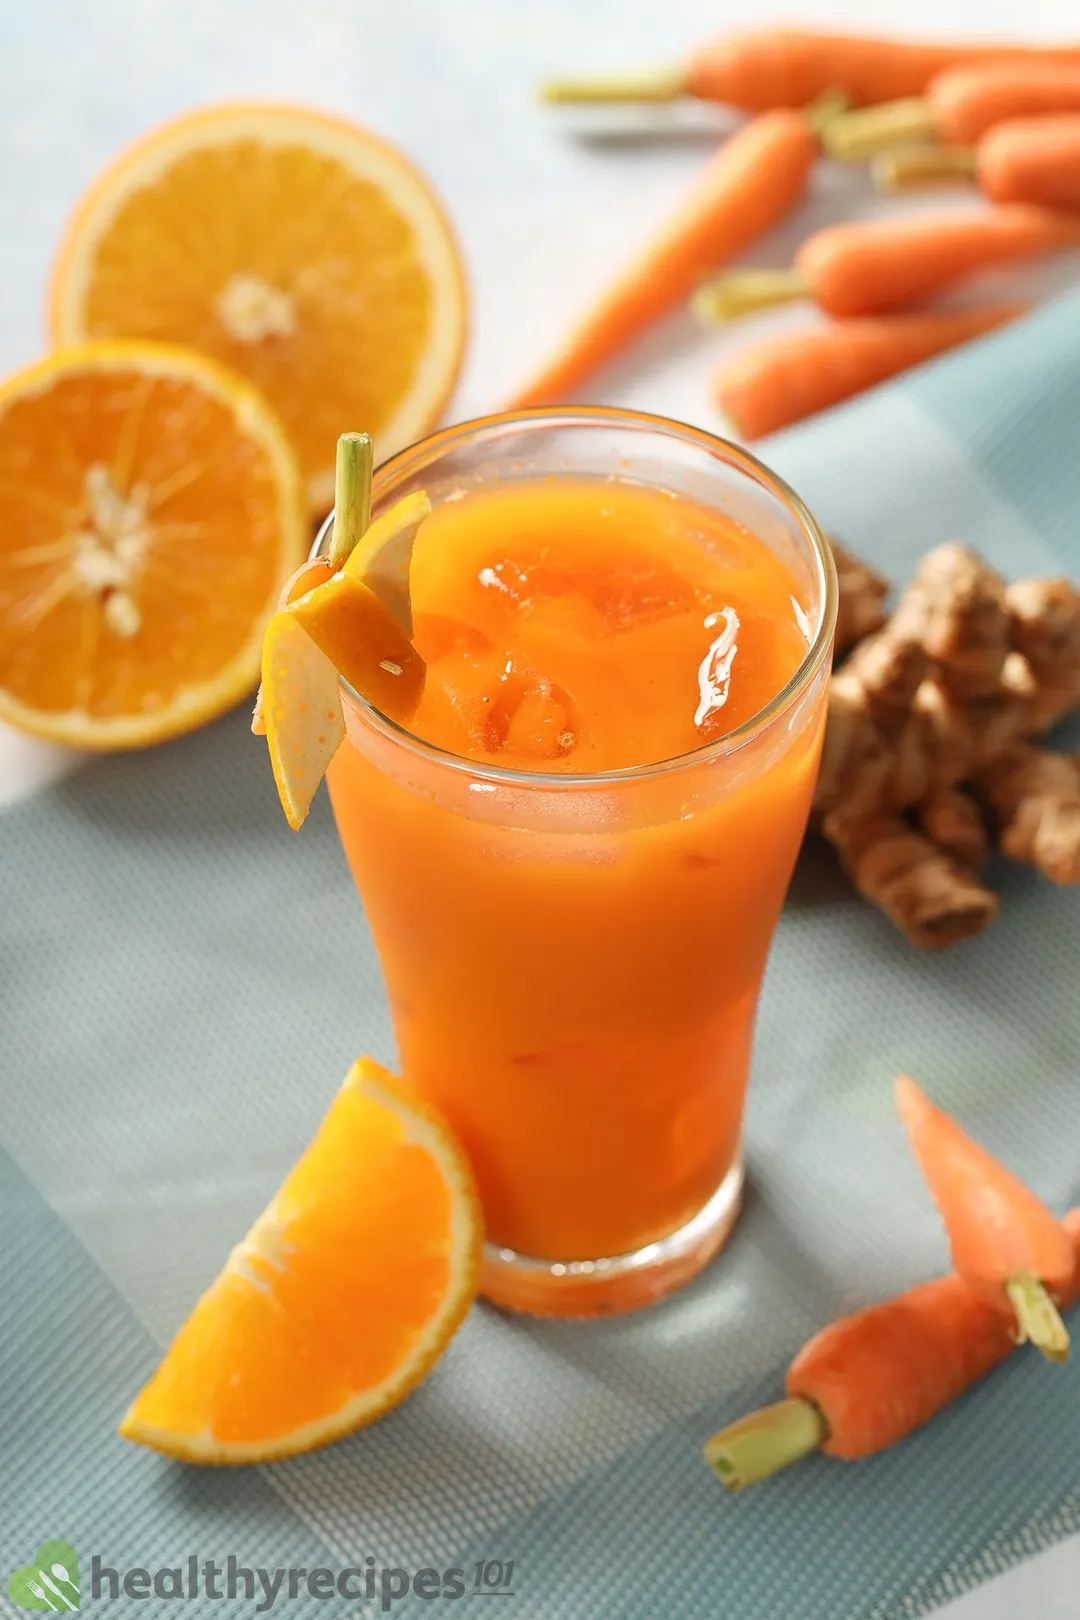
(624, 1282)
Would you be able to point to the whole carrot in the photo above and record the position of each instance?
(872, 266)
(791, 67)
(1033, 160)
(958, 107)
(756, 177)
(1006, 1245)
(779, 381)
(871, 1379)
(1023, 160)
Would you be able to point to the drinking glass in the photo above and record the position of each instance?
(573, 962)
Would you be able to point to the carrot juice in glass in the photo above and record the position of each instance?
(574, 857)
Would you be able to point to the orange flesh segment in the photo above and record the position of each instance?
(382, 559)
(149, 509)
(348, 631)
(341, 1297)
(355, 630)
(298, 249)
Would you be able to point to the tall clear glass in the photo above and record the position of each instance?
(573, 962)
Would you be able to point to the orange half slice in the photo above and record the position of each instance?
(150, 507)
(296, 248)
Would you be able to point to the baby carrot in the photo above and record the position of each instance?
(870, 1379)
(791, 67)
(1032, 160)
(781, 380)
(959, 106)
(1023, 160)
(872, 266)
(1006, 1245)
(756, 177)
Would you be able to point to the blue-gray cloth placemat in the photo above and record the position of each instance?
(184, 983)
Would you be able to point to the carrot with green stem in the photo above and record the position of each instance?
(780, 380)
(870, 267)
(1023, 160)
(755, 179)
(766, 68)
(871, 1379)
(958, 107)
(1006, 1245)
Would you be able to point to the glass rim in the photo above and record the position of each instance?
(427, 450)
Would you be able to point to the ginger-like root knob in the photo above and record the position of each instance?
(953, 821)
(861, 605)
(1035, 796)
(933, 899)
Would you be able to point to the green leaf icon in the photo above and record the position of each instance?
(51, 1582)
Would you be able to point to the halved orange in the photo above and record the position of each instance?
(338, 1301)
(150, 508)
(297, 248)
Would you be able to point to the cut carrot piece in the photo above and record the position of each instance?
(339, 1300)
(1005, 1243)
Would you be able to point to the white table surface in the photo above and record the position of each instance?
(544, 214)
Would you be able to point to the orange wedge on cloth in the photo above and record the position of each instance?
(352, 624)
(338, 1301)
(150, 507)
(296, 248)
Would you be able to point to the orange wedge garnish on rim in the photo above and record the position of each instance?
(150, 507)
(298, 249)
(338, 1301)
(352, 624)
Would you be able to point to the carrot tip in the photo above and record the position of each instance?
(1038, 1318)
(765, 1442)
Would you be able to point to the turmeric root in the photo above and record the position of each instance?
(891, 745)
(1035, 795)
(862, 592)
(949, 691)
(954, 822)
(955, 607)
(932, 898)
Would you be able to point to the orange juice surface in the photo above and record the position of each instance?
(573, 967)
